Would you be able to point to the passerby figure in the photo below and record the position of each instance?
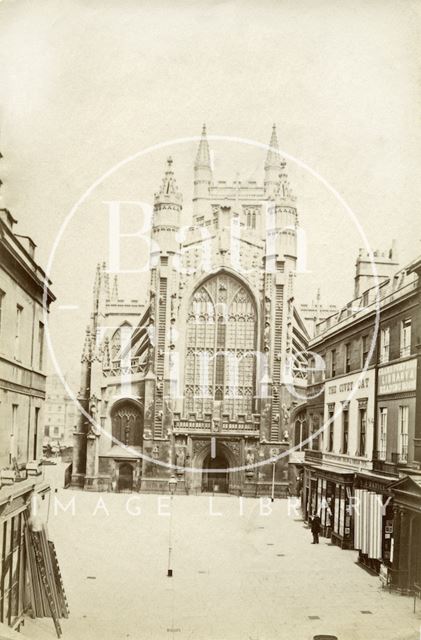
(299, 487)
(315, 528)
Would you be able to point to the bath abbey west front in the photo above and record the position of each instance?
(201, 375)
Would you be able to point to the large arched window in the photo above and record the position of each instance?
(127, 423)
(220, 361)
(120, 338)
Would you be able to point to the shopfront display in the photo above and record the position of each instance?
(373, 521)
(406, 557)
(341, 533)
(329, 494)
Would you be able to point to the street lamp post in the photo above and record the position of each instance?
(172, 486)
(272, 497)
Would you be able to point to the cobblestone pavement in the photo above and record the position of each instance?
(247, 577)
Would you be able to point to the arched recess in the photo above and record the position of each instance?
(200, 461)
(221, 343)
(127, 422)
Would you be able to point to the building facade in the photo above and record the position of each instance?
(22, 352)
(214, 354)
(22, 396)
(368, 448)
(61, 415)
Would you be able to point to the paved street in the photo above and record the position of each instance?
(249, 577)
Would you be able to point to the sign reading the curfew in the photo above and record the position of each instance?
(398, 377)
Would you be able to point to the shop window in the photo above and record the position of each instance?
(382, 442)
(384, 345)
(345, 430)
(403, 434)
(405, 337)
(339, 510)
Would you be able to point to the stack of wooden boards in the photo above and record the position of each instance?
(46, 591)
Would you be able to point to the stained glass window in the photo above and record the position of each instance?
(220, 363)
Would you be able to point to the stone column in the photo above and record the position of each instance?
(79, 459)
(91, 479)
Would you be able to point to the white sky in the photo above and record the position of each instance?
(86, 84)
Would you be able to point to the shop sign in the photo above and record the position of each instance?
(397, 378)
(348, 386)
(355, 463)
(374, 485)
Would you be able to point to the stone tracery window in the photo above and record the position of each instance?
(127, 424)
(116, 339)
(220, 364)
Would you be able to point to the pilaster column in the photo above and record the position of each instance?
(403, 550)
(410, 564)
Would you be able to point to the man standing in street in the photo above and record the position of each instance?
(315, 528)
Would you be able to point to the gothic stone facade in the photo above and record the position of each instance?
(226, 291)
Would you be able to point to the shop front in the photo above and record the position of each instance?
(405, 572)
(373, 521)
(311, 464)
(329, 494)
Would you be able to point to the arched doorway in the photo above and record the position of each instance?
(215, 474)
(125, 478)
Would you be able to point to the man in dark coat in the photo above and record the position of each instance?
(316, 525)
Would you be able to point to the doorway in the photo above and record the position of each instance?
(125, 478)
(215, 474)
